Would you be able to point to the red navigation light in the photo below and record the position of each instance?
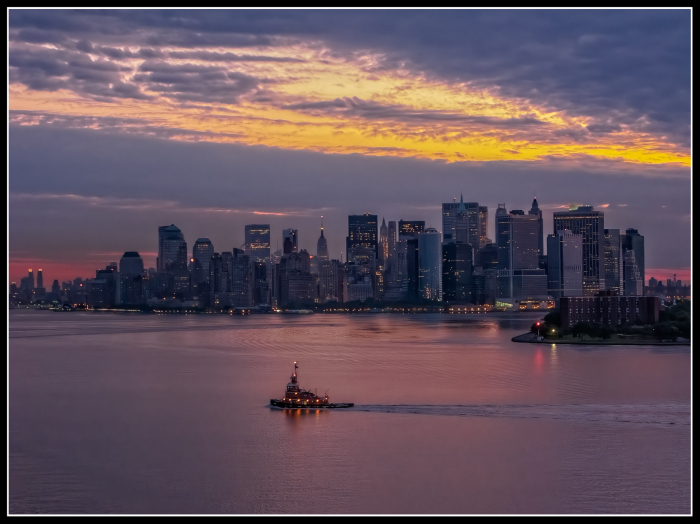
(537, 324)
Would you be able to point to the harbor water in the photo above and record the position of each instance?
(159, 414)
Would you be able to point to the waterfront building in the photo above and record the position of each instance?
(130, 276)
(170, 240)
(430, 265)
(614, 275)
(457, 272)
(242, 276)
(588, 223)
(30, 280)
(257, 242)
(565, 264)
(609, 310)
(40, 278)
(516, 243)
(328, 281)
(412, 269)
(289, 241)
(362, 231)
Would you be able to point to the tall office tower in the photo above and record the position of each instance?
(412, 269)
(565, 264)
(460, 226)
(202, 251)
(633, 284)
(257, 242)
(535, 210)
(322, 246)
(430, 264)
(483, 226)
(262, 276)
(634, 241)
(391, 236)
(296, 284)
(456, 272)
(130, 276)
(410, 228)
(242, 278)
(215, 272)
(55, 288)
(590, 224)
(614, 274)
(362, 231)
(449, 220)
(169, 241)
(289, 241)
(516, 241)
(30, 280)
(39, 279)
(328, 281)
(383, 244)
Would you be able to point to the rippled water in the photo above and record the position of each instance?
(121, 413)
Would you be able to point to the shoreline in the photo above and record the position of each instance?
(531, 338)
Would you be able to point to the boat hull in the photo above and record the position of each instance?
(276, 403)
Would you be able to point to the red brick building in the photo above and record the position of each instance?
(609, 310)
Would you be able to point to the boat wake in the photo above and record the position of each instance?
(668, 415)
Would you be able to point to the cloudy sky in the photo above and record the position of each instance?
(122, 121)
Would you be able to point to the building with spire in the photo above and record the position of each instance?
(322, 245)
(535, 210)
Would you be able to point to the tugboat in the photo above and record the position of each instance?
(297, 398)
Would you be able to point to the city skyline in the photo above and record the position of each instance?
(242, 117)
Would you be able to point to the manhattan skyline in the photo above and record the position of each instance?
(121, 121)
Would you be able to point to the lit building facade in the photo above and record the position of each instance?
(588, 223)
(430, 265)
(257, 242)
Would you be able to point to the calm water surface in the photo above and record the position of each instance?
(122, 413)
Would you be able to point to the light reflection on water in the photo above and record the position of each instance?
(144, 414)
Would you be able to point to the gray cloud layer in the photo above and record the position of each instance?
(621, 67)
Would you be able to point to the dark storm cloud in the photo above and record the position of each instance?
(196, 83)
(53, 69)
(629, 65)
(357, 107)
(229, 57)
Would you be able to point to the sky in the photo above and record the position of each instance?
(121, 121)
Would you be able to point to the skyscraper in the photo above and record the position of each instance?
(383, 244)
(289, 241)
(590, 225)
(257, 242)
(614, 275)
(483, 226)
(30, 280)
(410, 228)
(430, 264)
(633, 241)
(40, 279)
(456, 272)
(202, 251)
(535, 210)
(471, 221)
(565, 264)
(322, 246)
(170, 239)
(516, 241)
(242, 278)
(130, 276)
(362, 231)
